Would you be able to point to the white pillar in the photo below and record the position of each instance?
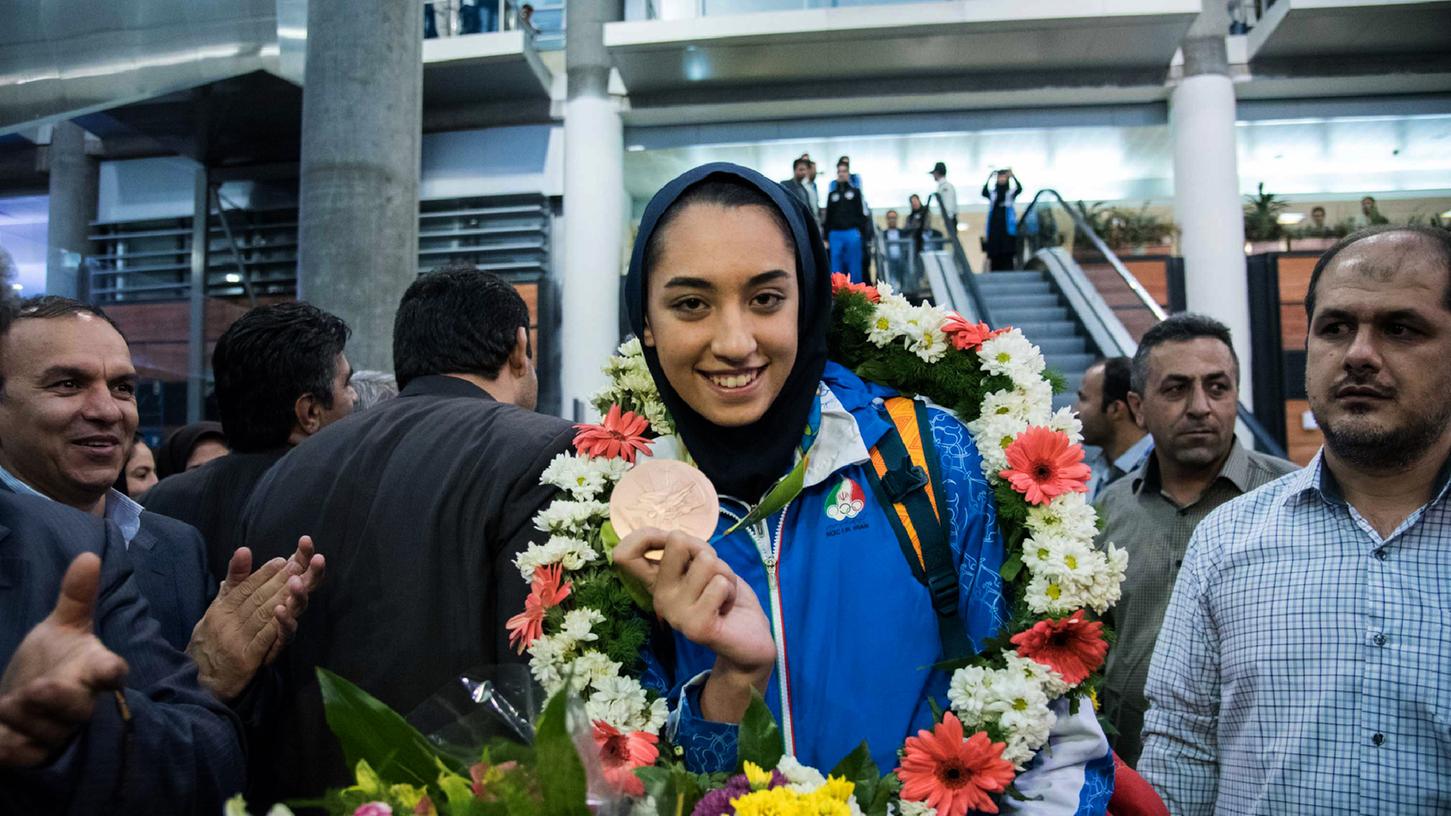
(1208, 208)
(594, 224)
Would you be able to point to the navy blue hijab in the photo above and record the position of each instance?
(744, 462)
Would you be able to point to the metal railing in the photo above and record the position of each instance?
(1120, 342)
(959, 255)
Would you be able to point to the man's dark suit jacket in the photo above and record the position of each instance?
(420, 505)
(211, 498)
(183, 753)
(170, 560)
(170, 564)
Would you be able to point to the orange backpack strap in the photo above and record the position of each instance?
(905, 471)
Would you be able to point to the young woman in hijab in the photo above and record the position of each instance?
(815, 605)
(190, 446)
(139, 473)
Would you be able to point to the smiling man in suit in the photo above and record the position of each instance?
(67, 409)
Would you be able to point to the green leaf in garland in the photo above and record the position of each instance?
(861, 770)
(760, 737)
(788, 488)
(608, 538)
(564, 793)
(369, 730)
(1012, 567)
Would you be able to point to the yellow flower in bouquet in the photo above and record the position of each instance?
(831, 799)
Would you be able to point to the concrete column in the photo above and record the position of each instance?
(1207, 204)
(74, 182)
(594, 208)
(358, 195)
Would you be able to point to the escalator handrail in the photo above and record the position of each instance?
(1098, 243)
(979, 304)
(1261, 436)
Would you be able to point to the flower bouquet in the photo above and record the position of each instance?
(585, 626)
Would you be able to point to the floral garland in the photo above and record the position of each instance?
(581, 625)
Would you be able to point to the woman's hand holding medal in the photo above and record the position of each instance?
(693, 589)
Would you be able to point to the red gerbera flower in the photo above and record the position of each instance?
(620, 436)
(965, 335)
(842, 283)
(622, 753)
(1042, 464)
(545, 592)
(951, 774)
(1072, 646)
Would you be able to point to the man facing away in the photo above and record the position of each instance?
(425, 500)
(1109, 423)
(947, 194)
(281, 377)
(1305, 662)
(67, 412)
(1184, 391)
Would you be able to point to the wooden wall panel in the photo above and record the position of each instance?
(1294, 280)
(1302, 443)
(1153, 275)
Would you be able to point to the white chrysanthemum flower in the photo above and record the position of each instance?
(1051, 681)
(967, 694)
(589, 667)
(885, 290)
(547, 661)
(1065, 421)
(620, 702)
(571, 553)
(889, 322)
(992, 435)
(931, 345)
(800, 778)
(1025, 404)
(1073, 561)
(657, 714)
(645, 807)
(583, 477)
(911, 808)
(1045, 595)
(1068, 515)
(1043, 552)
(1019, 703)
(1011, 354)
(578, 625)
(658, 416)
(575, 518)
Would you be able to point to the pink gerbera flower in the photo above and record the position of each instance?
(620, 436)
(964, 335)
(1072, 646)
(842, 283)
(622, 753)
(1042, 464)
(951, 774)
(545, 592)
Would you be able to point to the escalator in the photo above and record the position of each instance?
(1072, 297)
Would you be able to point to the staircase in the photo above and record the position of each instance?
(1029, 301)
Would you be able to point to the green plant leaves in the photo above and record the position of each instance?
(565, 786)
(369, 730)
(760, 738)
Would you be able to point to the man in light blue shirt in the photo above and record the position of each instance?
(1109, 424)
(1304, 664)
(67, 415)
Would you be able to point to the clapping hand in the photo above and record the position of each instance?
(698, 594)
(253, 617)
(49, 687)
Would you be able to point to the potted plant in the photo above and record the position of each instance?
(1262, 227)
(1140, 230)
(1096, 216)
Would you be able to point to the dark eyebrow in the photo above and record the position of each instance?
(64, 373)
(701, 283)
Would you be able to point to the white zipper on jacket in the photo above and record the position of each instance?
(770, 553)
(771, 559)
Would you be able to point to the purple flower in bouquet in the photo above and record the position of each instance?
(373, 809)
(718, 801)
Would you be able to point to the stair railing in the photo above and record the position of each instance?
(1121, 343)
(964, 269)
